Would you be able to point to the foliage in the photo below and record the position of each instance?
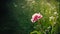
(16, 16)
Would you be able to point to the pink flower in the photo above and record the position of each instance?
(36, 17)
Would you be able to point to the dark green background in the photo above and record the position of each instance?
(14, 20)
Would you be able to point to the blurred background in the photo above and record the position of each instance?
(15, 15)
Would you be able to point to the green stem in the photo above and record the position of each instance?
(41, 29)
(52, 30)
